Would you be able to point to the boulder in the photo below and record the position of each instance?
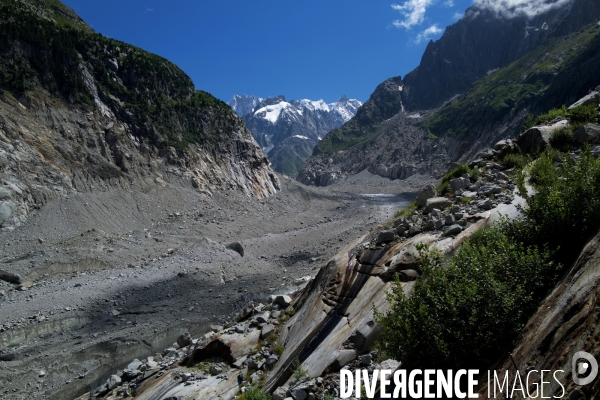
(184, 340)
(589, 133)
(449, 220)
(385, 236)
(113, 382)
(487, 190)
(389, 364)
(280, 393)
(235, 246)
(592, 98)
(454, 230)
(459, 183)
(10, 277)
(4, 193)
(283, 300)
(266, 331)
(426, 193)
(536, 139)
(6, 210)
(299, 394)
(437, 202)
(485, 204)
(408, 275)
(264, 317)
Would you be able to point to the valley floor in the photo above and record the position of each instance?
(113, 276)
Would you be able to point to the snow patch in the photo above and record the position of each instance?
(301, 137)
(271, 113)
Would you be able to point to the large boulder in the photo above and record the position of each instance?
(592, 98)
(459, 183)
(536, 139)
(426, 193)
(437, 202)
(589, 133)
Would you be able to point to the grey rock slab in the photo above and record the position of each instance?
(266, 330)
(437, 202)
(264, 317)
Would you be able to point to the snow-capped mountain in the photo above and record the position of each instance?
(288, 130)
(244, 104)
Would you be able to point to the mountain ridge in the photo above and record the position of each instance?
(288, 130)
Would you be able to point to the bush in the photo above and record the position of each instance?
(406, 211)
(583, 114)
(565, 210)
(562, 139)
(517, 161)
(550, 115)
(456, 172)
(465, 311)
(255, 393)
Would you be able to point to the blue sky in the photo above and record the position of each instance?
(302, 49)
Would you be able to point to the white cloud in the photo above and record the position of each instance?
(514, 8)
(449, 3)
(413, 12)
(428, 33)
(457, 16)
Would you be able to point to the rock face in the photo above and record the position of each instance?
(470, 49)
(566, 322)
(484, 87)
(288, 131)
(124, 118)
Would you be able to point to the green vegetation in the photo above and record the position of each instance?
(153, 95)
(515, 160)
(466, 311)
(551, 115)
(539, 80)
(584, 114)
(255, 393)
(562, 138)
(298, 372)
(456, 172)
(405, 212)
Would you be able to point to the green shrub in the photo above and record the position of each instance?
(562, 139)
(565, 209)
(456, 172)
(465, 311)
(517, 161)
(550, 115)
(405, 212)
(298, 371)
(583, 114)
(255, 393)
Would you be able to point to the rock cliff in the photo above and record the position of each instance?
(494, 108)
(80, 112)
